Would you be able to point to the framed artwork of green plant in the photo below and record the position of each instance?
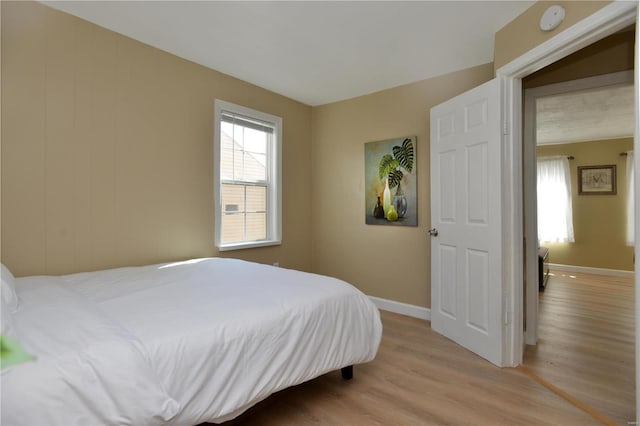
(390, 182)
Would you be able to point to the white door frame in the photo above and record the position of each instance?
(611, 18)
(529, 177)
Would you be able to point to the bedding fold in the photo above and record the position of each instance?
(88, 368)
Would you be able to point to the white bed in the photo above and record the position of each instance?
(177, 343)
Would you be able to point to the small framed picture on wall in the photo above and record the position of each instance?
(597, 180)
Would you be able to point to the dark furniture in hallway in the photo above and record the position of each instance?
(543, 267)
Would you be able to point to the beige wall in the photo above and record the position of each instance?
(524, 33)
(611, 54)
(383, 261)
(599, 221)
(107, 148)
(391, 262)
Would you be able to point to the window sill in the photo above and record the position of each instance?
(252, 244)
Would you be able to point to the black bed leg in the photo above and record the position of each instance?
(347, 372)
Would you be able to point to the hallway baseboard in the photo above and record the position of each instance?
(588, 270)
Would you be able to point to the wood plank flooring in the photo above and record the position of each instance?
(587, 340)
(418, 378)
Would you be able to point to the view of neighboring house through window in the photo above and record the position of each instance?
(555, 214)
(247, 182)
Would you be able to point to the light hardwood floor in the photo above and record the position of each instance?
(586, 341)
(418, 378)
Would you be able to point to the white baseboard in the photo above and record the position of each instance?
(402, 308)
(588, 270)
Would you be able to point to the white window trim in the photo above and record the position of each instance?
(274, 190)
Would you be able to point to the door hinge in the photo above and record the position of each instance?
(505, 128)
(507, 318)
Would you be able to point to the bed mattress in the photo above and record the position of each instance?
(211, 336)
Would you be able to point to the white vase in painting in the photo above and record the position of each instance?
(386, 197)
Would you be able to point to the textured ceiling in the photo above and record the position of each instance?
(595, 114)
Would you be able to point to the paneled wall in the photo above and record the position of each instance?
(107, 150)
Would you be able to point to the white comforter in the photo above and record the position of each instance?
(214, 336)
(89, 369)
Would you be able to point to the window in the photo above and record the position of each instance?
(555, 214)
(247, 184)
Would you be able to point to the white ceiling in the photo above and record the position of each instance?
(586, 115)
(315, 52)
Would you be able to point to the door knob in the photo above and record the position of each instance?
(433, 232)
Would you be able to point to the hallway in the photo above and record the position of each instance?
(586, 341)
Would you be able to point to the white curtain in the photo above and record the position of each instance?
(630, 199)
(555, 214)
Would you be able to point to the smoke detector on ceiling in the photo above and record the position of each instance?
(551, 18)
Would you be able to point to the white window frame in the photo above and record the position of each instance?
(274, 177)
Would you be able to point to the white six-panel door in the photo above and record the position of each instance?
(466, 264)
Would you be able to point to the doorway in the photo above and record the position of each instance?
(608, 20)
(585, 343)
(585, 97)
